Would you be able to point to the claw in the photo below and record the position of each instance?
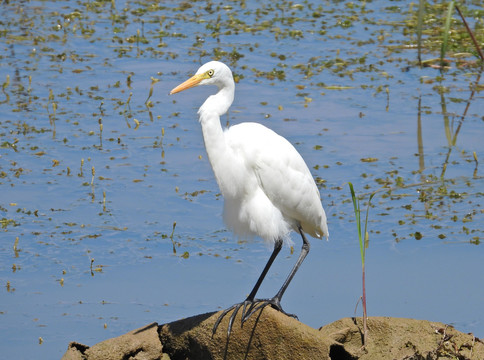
(232, 318)
(253, 309)
(217, 323)
(235, 308)
(249, 308)
(261, 304)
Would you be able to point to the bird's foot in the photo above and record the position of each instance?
(260, 304)
(249, 307)
(245, 305)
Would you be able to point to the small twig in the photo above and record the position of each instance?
(476, 44)
(463, 116)
(171, 237)
(356, 306)
(92, 261)
(477, 163)
(421, 7)
(153, 82)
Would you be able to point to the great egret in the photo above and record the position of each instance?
(267, 186)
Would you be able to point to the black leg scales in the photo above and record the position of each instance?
(252, 305)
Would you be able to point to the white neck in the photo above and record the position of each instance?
(220, 155)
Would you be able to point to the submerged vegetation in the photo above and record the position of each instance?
(72, 71)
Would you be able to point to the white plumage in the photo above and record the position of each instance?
(267, 187)
(274, 192)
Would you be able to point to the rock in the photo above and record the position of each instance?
(271, 335)
(139, 344)
(403, 339)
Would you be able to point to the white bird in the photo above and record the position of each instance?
(267, 187)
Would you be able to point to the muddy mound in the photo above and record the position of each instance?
(272, 335)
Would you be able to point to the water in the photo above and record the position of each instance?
(94, 257)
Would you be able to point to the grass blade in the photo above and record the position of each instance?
(445, 39)
(421, 8)
(356, 207)
(367, 237)
(364, 241)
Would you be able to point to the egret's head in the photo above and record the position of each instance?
(211, 73)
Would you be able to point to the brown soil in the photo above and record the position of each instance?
(272, 335)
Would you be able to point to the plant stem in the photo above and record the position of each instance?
(363, 301)
(470, 33)
(421, 7)
(363, 239)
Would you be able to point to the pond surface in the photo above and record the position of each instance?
(97, 163)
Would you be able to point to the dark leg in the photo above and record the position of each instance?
(275, 302)
(252, 305)
(302, 256)
(250, 299)
(277, 248)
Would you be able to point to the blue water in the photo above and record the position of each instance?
(94, 257)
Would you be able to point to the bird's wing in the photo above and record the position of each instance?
(282, 175)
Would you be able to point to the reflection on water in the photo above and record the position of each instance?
(97, 163)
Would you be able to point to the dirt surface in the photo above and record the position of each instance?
(140, 344)
(398, 338)
(272, 335)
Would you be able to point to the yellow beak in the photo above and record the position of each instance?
(193, 81)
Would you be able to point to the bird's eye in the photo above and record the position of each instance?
(210, 72)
